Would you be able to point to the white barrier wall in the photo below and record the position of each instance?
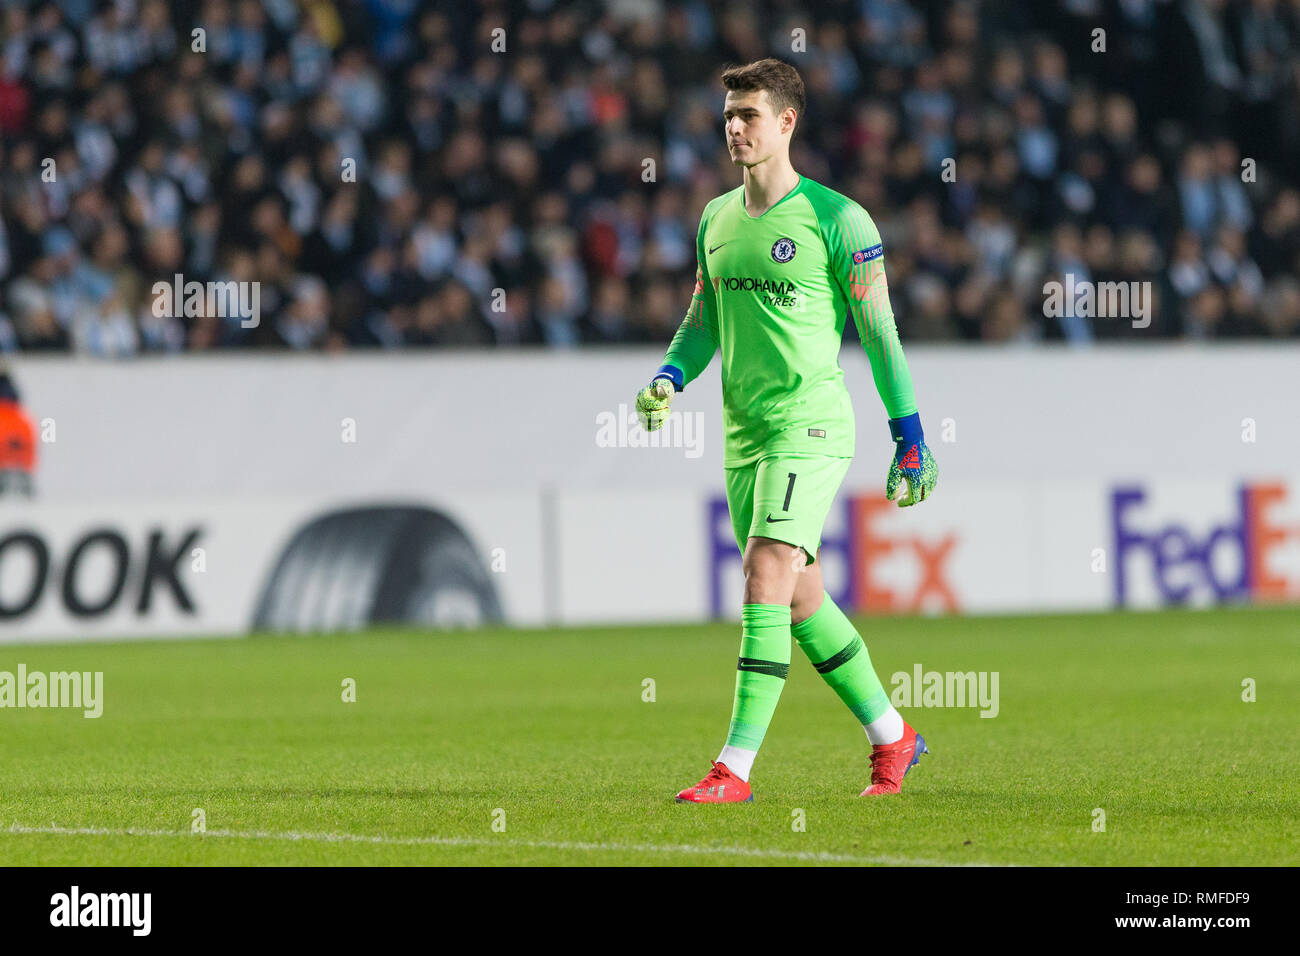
(204, 495)
(270, 424)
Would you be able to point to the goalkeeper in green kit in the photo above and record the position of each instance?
(782, 261)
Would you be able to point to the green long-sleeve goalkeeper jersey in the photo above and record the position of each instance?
(772, 293)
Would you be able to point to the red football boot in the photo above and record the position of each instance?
(719, 785)
(890, 762)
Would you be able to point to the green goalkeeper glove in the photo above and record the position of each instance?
(913, 465)
(653, 403)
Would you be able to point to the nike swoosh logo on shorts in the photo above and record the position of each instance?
(771, 520)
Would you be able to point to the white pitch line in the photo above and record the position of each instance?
(801, 855)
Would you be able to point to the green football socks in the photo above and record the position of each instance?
(761, 672)
(838, 653)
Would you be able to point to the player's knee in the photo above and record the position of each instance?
(758, 562)
(769, 572)
(805, 605)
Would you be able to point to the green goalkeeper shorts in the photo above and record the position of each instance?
(785, 497)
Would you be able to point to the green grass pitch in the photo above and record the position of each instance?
(546, 732)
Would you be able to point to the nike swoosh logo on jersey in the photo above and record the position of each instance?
(771, 520)
(714, 249)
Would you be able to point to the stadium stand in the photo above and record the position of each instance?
(391, 180)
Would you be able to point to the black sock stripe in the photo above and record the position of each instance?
(850, 651)
(771, 668)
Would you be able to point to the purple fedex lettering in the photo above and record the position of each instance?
(1180, 562)
(722, 547)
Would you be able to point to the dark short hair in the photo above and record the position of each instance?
(782, 82)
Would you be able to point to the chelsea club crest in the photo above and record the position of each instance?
(783, 250)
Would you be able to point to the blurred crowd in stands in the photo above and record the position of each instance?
(396, 173)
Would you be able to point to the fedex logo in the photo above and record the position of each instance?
(1231, 560)
(884, 571)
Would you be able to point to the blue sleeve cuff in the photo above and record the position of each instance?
(907, 429)
(671, 372)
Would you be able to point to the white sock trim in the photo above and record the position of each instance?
(885, 729)
(740, 761)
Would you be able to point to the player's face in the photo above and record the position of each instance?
(753, 129)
